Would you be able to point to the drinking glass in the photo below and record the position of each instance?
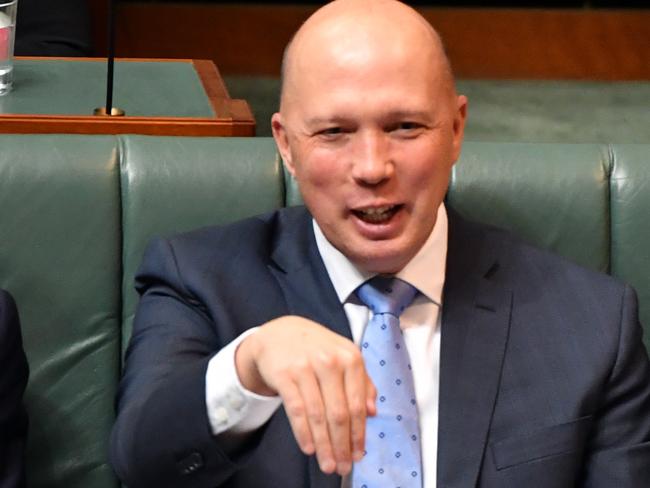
(7, 33)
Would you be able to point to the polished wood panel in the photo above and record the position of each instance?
(68, 124)
(482, 43)
(547, 44)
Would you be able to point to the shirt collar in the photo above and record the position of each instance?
(426, 271)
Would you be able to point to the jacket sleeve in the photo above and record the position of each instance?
(162, 435)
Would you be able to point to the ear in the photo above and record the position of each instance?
(460, 115)
(282, 142)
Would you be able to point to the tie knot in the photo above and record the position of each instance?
(386, 294)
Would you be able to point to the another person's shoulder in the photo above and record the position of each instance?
(8, 312)
(11, 342)
(10, 333)
(14, 373)
(6, 298)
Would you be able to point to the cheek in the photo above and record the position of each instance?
(428, 175)
(425, 168)
(319, 168)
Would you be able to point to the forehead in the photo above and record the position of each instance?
(366, 79)
(354, 58)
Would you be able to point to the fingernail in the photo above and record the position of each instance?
(358, 455)
(327, 466)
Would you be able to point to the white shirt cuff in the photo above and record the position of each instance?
(231, 407)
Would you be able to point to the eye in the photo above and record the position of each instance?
(408, 126)
(333, 133)
(406, 129)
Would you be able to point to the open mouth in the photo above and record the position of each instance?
(377, 215)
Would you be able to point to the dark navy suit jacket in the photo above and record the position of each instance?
(544, 380)
(13, 379)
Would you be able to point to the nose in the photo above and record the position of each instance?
(372, 163)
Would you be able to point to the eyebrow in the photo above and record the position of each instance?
(317, 121)
(409, 114)
(397, 114)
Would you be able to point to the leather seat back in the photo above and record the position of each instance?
(60, 251)
(172, 184)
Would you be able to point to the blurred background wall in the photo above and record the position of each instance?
(576, 71)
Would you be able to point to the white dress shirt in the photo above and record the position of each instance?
(234, 410)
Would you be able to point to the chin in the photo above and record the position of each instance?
(382, 262)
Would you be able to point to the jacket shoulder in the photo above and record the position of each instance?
(194, 262)
(250, 238)
(523, 262)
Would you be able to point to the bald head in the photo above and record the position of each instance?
(370, 126)
(349, 31)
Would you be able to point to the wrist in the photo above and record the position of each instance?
(248, 372)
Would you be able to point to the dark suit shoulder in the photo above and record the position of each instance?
(528, 262)
(521, 261)
(221, 269)
(552, 297)
(574, 356)
(556, 301)
(253, 236)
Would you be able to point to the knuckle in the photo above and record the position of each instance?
(316, 417)
(357, 410)
(340, 417)
(341, 453)
(351, 359)
(327, 360)
(299, 369)
(295, 409)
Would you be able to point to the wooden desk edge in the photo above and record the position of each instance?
(177, 126)
(233, 117)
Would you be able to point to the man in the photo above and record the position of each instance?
(13, 379)
(244, 369)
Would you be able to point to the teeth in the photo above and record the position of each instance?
(370, 212)
(376, 214)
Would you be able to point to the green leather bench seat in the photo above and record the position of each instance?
(171, 185)
(76, 213)
(630, 222)
(60, 255)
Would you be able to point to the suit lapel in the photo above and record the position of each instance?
(308, 291)
(475, 325)
(301, 274)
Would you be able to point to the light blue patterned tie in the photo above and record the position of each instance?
(392, 458)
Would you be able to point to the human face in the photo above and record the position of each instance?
(371, 137)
